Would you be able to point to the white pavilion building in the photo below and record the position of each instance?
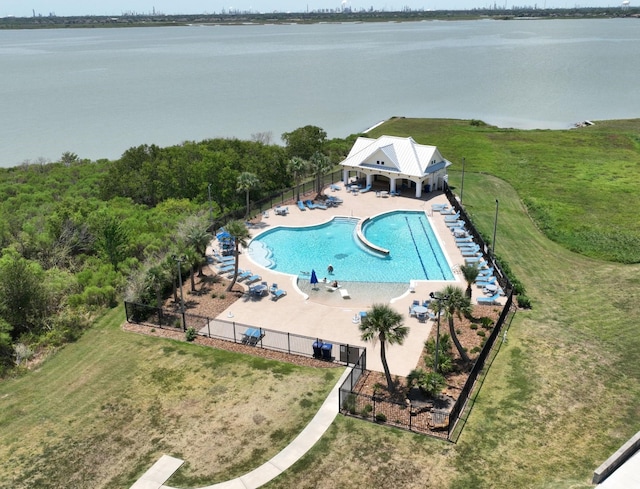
(399, 163)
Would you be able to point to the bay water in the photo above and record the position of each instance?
(97, 92)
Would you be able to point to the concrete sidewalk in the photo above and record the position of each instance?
(166, 466)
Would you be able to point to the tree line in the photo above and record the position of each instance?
(77, 235)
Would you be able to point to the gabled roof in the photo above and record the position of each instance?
(394, 154)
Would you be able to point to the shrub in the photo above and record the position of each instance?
(524, 302)
(366, 411)
(475, 349)
(214, 295)
(222, 296)
(381, 418)
(481, 333)
(487, 323)
(474, 326)
(191, 334)
(349, 404)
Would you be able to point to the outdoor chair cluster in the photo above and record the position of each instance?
(421, 311)
(281, 211)
(276, 292)
(259, 290)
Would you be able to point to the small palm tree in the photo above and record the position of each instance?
(246, 182)
(298, 169)
(384, 324)
(157, 278)
(198, 238)
(240, 234)
(470, 274)
(319, 164)
(456, 304)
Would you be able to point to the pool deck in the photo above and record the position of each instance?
(325, 314)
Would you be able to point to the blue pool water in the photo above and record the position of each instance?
(415, 252)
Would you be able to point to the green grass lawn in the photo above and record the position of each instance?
(562, 394)
(103, 410)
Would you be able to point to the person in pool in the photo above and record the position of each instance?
(330, 269)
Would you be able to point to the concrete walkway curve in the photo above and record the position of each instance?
(160, 472)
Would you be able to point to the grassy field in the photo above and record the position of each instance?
(563, 393)
(102, 411)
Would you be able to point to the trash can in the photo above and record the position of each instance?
(317, 349)
(326, 351)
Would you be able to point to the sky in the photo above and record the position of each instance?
(25, 8)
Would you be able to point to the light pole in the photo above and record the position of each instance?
(462, 184)
(495, 227)
(210, 207)
(439, 299)
(184, 320)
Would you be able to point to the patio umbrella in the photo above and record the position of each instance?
(314, 279)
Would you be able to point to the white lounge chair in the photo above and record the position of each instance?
(345, 294)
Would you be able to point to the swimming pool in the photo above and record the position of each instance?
(414, 250)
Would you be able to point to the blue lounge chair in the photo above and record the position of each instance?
(366, 189)
(226, 268)
(277, 294)
(438, 207)
(471, 253)
(488, 301)
(254, 278)
(466, 239)
(334, 187)
(455, 224)
(317, 205)
(244, 274)
(483, 283)
(223, 259)
(474, 259)
(301, 206)
(452, 218)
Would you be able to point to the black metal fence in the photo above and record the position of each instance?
(478, 366)
(235, 332)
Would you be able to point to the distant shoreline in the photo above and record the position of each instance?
(244, 19)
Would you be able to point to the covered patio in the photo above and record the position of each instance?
(393, 164)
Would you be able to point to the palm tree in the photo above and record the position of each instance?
(319, 164)
(240, 234)
(157, 278)
(194, 260)
(384, 324)
(298, 169)
(470, 274)
(198, 238)
(455, 304)
(246, 182)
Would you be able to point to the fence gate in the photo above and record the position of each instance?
(349, 354)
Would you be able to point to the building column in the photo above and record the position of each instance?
(392, 185)
(418, 189)
(369, 179)
(345, 176)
